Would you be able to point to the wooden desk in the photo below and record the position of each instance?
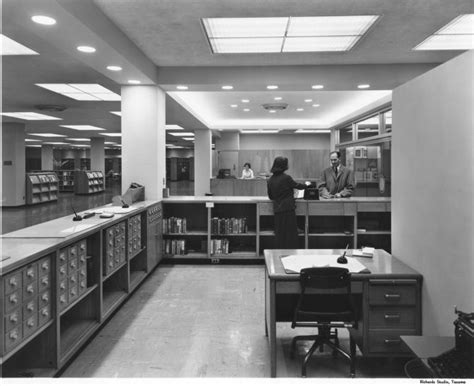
(389, 297)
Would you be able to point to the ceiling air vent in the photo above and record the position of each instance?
(275, 106)
(50, 107)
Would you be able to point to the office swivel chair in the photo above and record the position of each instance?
(325, 311)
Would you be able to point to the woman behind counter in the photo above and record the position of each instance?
(280, 189)
(247, 173)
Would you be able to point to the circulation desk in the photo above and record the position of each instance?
(389, 298)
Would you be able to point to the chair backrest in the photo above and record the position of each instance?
(325, 278)
(334, 302)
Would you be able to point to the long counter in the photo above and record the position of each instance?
(60, 280)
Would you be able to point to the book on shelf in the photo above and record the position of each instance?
(222, 226)
(174, 225)
(219, 246)
(175, 247)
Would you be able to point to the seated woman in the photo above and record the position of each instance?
(247, 173)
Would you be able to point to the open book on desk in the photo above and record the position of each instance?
(364, 252)
(295, 263)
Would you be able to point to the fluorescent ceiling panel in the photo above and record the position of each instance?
(330, 25)
(33, 145)
(309, 131)
(111, 134)
(79, 139)
(188, 139)
(183, 134)
(11, 47)
(30, 116)
(462, 25)
(245, 27)
(319, 43)
(447, 42)
(55, 143)
(456, 35)
(119, 113)
(246, 45)
(82, 91)
(173, 127)
(48, 135)
(32, 140)
(83, 127)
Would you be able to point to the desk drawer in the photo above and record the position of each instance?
(392, 317)
(12, 282)
(388, 342)
(30, 274)
(13, 337)
(393, 294)
(13, 320)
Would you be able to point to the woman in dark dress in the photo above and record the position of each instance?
(280, 189)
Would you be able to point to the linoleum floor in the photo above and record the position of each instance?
(205, 321)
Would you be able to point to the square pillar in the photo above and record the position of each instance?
(202, 162)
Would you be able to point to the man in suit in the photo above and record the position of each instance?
(337, 181)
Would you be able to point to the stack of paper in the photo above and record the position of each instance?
(295, 263)
(364, 252)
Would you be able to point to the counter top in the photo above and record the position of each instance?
(255, 199)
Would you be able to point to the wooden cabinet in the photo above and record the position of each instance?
(88, 182)
(41, 187)
(55, 297)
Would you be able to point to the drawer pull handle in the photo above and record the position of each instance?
(45, 313)
(13, 318)
(45, 266)
(392, 296)
(30, 307)
(30, 289)
(13, 299)
(392, 316)
(30, 274)
(391, 341)
(62, 270)
(13, 282)
(13, 335)
(45, 280)
(45, 297)
(31, 323)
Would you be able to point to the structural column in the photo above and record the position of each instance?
(143, 139)
(202, 162)
(13, 164)
(227, 147)
(98, 155)
(47, 157)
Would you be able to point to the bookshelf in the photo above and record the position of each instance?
(88, 182)
(66, 180)
(41, 187)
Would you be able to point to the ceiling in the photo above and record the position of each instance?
(162, 42)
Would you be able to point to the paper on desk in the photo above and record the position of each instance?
(295, 263)
(364, 252)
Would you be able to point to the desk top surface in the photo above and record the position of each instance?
(380, 265)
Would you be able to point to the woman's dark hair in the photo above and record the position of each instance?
(247, 164)
(280, 164)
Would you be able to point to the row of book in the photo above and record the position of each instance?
(219, 246)
(175, 247)
(223, 226)
(174, 225)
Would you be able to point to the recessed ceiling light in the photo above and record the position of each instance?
(11, 47)
(245, 100)
(246, 110)
(30, 116)
(363, 86)
(32, 140)
(114, 68)
(44, 20)
(86, 49)
(47, 135)
(134, 81)
(227, 87)
(234, 106)
(110, 143)
(182, 87)
(83, 127)
(456, 35)
(188, 139)
(272, 111)
(111, 134)
(308, 100)
(119, 113)
(55, 143)
(79, 139)
(173, 127)
(317, 86)
(272, 87)
(299, 109)
(316, 105)
(277, 98)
